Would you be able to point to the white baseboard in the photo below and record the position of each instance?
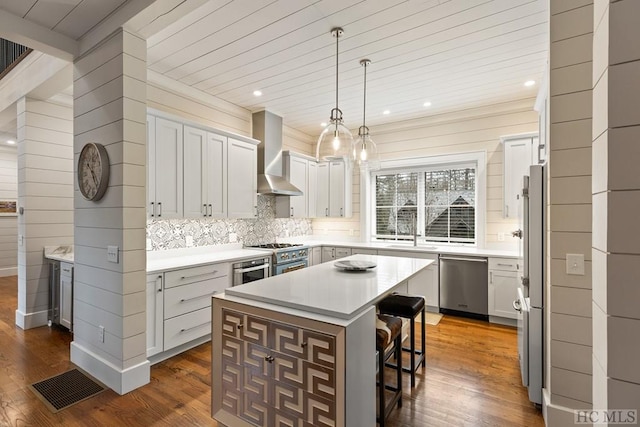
(503, 321)
(556, 415)
(9, 271)
(120, 381)
(157, 358)
(32, 320)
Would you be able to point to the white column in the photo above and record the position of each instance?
(616, 199)
(45, 191)
(110, 109)
(568, 381)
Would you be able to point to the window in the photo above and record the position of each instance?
(439, 200)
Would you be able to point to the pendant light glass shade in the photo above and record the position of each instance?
(335, 141)
(365, 151)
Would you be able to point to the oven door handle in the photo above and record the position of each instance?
(247, 270)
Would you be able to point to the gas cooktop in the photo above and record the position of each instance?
(276, 245)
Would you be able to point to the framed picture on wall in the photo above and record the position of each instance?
(8, 208)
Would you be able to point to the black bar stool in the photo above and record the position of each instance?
(408, 307)
(388, 343)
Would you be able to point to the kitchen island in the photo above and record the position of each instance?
(299, 349)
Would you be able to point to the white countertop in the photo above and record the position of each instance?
(189, 257)
(326, 290)
(62, 253)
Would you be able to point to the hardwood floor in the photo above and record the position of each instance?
(471, 379)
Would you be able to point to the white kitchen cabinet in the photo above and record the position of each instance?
(334, 190)
(519, 154)
(165, 192)
(312, 187)
(154, 314)
(315, 255)
(342, 252)
(296, 171)
(503, 288)
(242, 164)
(427, 282)
(363, 251)
(205, 174)
(66, 295)
(330, 253)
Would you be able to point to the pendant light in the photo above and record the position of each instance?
(335, 141)
(365, 151)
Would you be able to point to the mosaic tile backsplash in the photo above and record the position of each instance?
(172, 233)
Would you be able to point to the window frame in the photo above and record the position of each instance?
(475, 159)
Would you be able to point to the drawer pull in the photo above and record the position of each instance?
(195, 327)
(269, 359)
(198, 297)
(505, 265)
(240, 325)
(198, 275)
(303, 345)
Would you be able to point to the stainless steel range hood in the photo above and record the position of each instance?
(267, 127)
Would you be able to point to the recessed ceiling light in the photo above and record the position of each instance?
(323, 124)
(427, 104)
(386, 112)
(257, 93)
(11, 142)
(529, 83)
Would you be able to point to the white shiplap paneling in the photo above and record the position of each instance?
(8, 224)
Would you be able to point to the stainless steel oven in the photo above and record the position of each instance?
(286, 257)
(290, 266)
(251, 270)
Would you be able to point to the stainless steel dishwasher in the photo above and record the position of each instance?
(464, 286)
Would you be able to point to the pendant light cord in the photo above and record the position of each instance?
(337, 62)
(364, 106)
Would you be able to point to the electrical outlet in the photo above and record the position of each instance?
(112, 254)
(189, 241)
(575, 264)
(101, 333)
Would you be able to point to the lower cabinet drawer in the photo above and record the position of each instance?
(194, 296)
(182, 329)
(195, 274)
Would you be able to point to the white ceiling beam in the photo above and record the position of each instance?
(37, 37)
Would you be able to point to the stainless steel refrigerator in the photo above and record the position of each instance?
(530, 302)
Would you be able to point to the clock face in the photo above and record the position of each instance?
(93, 171)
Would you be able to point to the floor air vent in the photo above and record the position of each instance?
(63, 390)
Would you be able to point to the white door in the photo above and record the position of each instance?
(298, 174)
(517, 159)
(151, 166)
(312, 190)
(215, 175)
(336, 189)
(168, 173)
(322, 199)
(195, 147)
(154, 314)
(242, 179)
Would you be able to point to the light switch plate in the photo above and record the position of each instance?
(112, 254)
(575, 264)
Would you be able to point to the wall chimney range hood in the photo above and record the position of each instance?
(267, 128)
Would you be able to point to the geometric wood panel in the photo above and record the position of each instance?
(231, 323)
(256, 331)
(321, 348)
(320, 381)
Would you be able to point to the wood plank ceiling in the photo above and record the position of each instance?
(454, 54)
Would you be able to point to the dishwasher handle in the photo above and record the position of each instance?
(484, 260)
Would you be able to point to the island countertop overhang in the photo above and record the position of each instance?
(325, 290)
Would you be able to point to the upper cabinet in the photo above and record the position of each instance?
(194, 172)
(165, 177)
(519, 154)
(205, 174)
(242, 164)
(297, 170)
(334, 190)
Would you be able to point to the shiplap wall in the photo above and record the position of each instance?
(463, 131)
(45, 191)
(569, 200)
(616, 198)
(110, 108)
(8, 224)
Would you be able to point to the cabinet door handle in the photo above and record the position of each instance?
(491, 277)
(256, 211)
(517, 306)
(291, 211)
(195, 327)
(303, 345)
(205, 209)
(198, 297)
(210, 209)
(341, 212)
(506, 213)
(326, 211)
(239, 326)
(269, 359)
(153, 209)
(505, 265)
(160, 207)
(159, 287)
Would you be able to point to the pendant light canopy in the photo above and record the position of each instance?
(335, 141)
(365, 152)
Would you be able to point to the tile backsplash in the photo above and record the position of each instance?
(173, 233)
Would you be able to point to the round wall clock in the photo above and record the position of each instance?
(93, 171)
